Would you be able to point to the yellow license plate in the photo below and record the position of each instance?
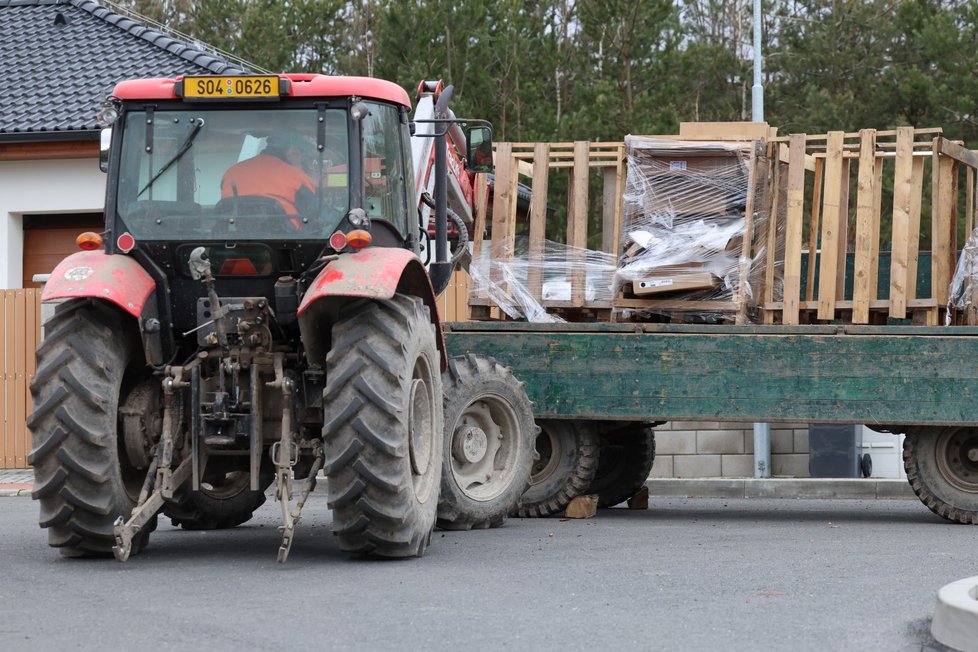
(232, 87)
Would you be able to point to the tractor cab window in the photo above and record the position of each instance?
(384, 187)
(233, 174)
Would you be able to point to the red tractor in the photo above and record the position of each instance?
(257, 310)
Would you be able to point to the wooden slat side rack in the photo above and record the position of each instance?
(813, 247)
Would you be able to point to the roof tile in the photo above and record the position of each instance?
(57, 71)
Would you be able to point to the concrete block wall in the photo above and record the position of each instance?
(717, 449)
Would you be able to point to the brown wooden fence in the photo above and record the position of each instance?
(20, 320)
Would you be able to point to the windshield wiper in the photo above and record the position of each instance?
(184, 146)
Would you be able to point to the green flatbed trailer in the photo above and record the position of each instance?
(918, 380)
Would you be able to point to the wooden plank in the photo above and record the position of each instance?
(21, 393)
(969, 202)
(831, 225)
(772, 224)
(813, 227)
(957, 152)
(609, 210)
(877, 212)
(865, 208)
(481, 209)
(33, 329)
(793, 229)
(621, 172)
(679, 305)
(875, 304)
(942, 262)
(538, 219)
(10, 380)
(902, 198)
(916, 198)
(723, 130)
(4, 333)
(840, 270)
(577, 221)
(481, 214)
(743, 278)
(504, 201)
(955, 186)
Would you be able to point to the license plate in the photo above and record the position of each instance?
(232, 87)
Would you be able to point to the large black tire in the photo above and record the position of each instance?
(224, 501)
(942, 468)
(567, 459)
(625, 459)
(489, 438)
(383, 427)
(82, 477)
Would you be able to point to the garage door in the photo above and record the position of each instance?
(48, 239)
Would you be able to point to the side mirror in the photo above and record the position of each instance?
(478, 149)
(105, 143)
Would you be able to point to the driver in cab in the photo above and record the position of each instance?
(276, 173)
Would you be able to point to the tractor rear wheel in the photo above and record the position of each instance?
(489, 437)
(625, 459)
(383, 427)
(83, 478)
(567, 459)
(942, 468)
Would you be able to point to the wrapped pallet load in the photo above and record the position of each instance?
(684, 227)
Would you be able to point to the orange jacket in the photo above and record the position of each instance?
(268, 176)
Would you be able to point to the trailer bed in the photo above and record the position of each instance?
(876, 375)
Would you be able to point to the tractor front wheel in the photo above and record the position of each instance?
(489, 438)
(383, 427)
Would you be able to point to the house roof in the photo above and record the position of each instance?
(60, 58)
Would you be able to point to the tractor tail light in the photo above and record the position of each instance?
(358, 238)
(89, 241)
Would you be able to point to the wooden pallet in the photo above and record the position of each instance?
(841, 175)
(812, 228)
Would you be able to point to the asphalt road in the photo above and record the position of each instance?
(707, 574)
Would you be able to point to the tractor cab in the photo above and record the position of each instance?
(266, 174)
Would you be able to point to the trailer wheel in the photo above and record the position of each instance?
(625, 458)
(567, 459)
(83, 478)
(489, 437)
(383, 427)
(942, 468)
(225, 500)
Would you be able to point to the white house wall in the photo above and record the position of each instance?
(37, 188)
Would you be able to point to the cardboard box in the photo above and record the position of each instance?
(679, 281)
(701, 184)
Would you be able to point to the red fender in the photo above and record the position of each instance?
(96, 274)
(376, 273)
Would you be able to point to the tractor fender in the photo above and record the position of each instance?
(96, 274)
(371, 273)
